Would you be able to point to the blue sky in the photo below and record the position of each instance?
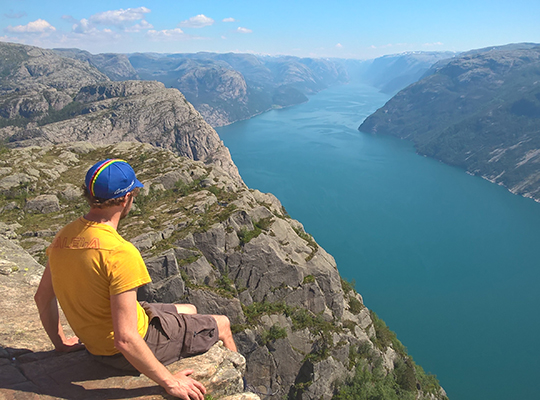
(339, 28)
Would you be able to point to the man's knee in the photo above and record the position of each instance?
(223, 323)
(186, 309)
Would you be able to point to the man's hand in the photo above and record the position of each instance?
(69, 345)
(185, 387)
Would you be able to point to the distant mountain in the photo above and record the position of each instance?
(37, 83)
(479, 111)
(226, 88)
(116, 66)
(394, 72)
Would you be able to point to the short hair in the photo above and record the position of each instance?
(96, 202)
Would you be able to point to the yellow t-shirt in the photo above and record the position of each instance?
(90, 262)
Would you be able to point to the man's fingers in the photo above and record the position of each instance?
(196, 394)
(199, 386)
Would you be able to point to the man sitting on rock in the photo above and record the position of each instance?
(95, 274)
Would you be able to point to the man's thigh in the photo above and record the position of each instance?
(172, 336)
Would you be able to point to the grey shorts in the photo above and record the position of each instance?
(171, 336)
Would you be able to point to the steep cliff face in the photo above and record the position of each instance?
(479, 111)
(210, 241)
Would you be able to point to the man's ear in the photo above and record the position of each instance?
(126, 199)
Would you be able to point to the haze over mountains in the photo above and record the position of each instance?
(226, 88)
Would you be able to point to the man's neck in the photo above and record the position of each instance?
(108, 216)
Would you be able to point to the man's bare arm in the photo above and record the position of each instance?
(136, 351)
(47, 305)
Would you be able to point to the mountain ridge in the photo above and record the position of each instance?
(479, 111)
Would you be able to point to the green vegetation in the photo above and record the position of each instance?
(372, 384)
(348, 286)
(226, 284)
(20, 122)
(384, 337)
(274, 333)
(246, 235)
(69, 111)
(310, 241)
(355, 306)
(372, 381)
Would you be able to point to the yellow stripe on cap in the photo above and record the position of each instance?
(98, 171)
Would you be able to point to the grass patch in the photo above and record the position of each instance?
(355, 306)
(246, 235)
(274, 333)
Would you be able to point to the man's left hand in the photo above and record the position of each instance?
(69, 345)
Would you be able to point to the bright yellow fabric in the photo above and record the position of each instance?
(89, 262)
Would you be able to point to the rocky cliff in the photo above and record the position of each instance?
(207, 239)
(479, 111)
(95, 109)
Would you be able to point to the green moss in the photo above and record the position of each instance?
(274, 333)
(246, 235)
(347, 286)
(355, 306)
(350, 325)
(384, 337)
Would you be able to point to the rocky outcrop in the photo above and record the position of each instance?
(35, 81)
(32, 68)
(50, 375)
(131, 110)
(210, 241)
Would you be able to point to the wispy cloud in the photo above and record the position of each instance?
(168, 35)
(433, 44)
(389, 45)
(119, 18)
(123, 20)
(15, 15)
(198, 21)
(141, 26)
(339, 45)
(37, 26)
(229, 20)
(243, 30)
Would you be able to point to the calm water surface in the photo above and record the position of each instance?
(449, 261)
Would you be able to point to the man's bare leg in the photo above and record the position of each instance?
(225, 334)
(186, 309)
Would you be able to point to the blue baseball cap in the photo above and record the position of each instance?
(111, 178)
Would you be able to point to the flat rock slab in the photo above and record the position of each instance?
(51, 375)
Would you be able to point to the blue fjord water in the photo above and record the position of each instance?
(449, 261)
